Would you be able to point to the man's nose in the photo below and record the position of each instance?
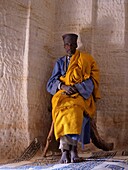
(70, 45)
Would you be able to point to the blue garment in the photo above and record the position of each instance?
(60, 69)
(84, 137)
(84, 88)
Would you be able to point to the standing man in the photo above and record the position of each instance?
(74, 85)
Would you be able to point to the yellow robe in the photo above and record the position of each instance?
(67, 111)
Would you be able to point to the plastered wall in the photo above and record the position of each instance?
(30, 42)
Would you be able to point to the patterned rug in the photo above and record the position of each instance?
(87, 165)
(100, 160)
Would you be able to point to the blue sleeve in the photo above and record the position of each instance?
(53, 82)
(85, 88)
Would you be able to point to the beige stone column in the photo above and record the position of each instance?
(14, 26)
(26, 52)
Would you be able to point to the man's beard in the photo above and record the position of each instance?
(71, 52)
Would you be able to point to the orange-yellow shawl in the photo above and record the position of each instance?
(67, 111)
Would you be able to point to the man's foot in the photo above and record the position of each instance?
(65, 158)
(74, 155)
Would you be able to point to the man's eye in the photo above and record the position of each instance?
(66, 45)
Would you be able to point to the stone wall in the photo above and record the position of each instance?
(30, 42)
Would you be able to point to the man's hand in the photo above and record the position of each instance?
(69, 89)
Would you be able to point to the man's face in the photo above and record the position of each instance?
(70, 46)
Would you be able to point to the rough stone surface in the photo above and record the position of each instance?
(30, 42)
(13, 107)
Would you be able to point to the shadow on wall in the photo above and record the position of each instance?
(98, 36)
(86, 39)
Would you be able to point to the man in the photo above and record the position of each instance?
(74, 85)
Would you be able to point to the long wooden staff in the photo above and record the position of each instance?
(49, 139)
